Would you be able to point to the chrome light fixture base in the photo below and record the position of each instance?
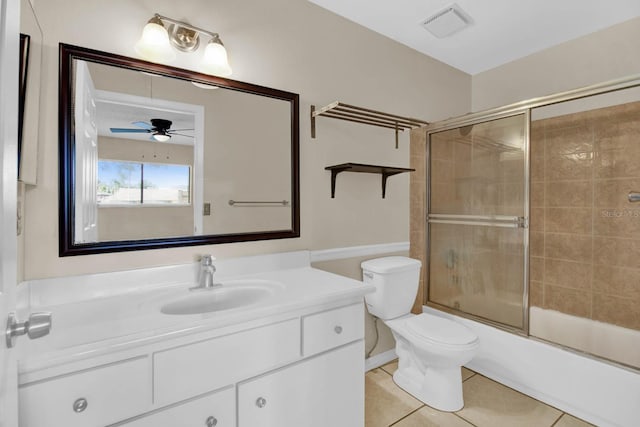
(183, 38)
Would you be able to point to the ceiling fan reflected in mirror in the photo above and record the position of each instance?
(160, 129)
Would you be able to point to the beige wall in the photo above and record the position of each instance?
(602, 56)
(286, 44)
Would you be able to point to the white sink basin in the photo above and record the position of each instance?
(232, 294)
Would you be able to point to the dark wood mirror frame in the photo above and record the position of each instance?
(67, 247)
(25, 41)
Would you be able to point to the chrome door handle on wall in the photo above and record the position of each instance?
(38, 325)
(634, 197)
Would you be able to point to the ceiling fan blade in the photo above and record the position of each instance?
(182, 134)
(123, 130)
(177, 130)
(143, 125)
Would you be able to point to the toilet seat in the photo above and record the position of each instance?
(439, 330)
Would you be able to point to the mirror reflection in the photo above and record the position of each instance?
(158, 157)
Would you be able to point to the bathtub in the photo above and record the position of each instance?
(601, 393)
(599, 338)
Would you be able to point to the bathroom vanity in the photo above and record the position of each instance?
(293, 358)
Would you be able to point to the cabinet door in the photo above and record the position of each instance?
(326, 390)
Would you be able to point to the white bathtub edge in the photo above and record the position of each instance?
(598, 392)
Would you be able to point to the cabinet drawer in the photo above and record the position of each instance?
(216, 409)
(332, 328)
(112, 393)
(190, 370)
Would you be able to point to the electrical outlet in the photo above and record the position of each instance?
(207, 209)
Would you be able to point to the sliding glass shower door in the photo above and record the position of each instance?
(478, 218)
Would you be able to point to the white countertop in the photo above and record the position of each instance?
(95, 326)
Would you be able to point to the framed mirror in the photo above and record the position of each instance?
(153, 156)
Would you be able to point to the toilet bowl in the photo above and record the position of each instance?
(430, 349)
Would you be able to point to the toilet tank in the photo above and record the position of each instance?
(396, 281)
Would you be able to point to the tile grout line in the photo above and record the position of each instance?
(471, 376)
(463, 418)
(407, 415)
(556, 421)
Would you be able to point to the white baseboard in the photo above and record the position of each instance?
(379, 360)
(357, 251)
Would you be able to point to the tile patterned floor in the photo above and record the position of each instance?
(487, 404)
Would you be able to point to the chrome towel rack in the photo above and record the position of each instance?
(351, 113)
(249, 202)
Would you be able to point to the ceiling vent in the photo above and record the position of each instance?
(448, 21)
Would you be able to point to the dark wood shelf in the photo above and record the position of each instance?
(385, 171)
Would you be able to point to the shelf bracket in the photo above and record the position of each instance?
(334, 175)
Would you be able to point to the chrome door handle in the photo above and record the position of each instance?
(634, 197)
(261, 402)
(38, 325)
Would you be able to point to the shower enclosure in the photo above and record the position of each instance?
(477, 219)
(532, 219)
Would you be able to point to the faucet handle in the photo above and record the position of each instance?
(207, 260)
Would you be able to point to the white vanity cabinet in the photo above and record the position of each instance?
(303, 368)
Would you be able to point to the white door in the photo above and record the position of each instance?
(9, 40)
(86, 212)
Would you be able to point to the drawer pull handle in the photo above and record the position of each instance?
(211, 421)
(261, 402)
(80, 405)
(338, 329)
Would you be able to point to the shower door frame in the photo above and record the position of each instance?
(510, 110)
(494, 220)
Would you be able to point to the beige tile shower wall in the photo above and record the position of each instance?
(291, 45)
(585, 235)
(418, 210)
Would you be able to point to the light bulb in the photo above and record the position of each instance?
(161, 137)
(214, 60)
(154, 44)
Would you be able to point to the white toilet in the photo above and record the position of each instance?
(430, 349)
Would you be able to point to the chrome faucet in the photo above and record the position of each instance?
(206, 273)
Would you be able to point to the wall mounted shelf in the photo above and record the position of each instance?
(385, 171)
(351, 113)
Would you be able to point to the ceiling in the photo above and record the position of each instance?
(501, 31)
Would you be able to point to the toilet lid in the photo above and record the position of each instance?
(441, 330)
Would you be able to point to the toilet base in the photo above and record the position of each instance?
(439, 388)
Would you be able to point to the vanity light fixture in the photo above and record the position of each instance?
(158, 41)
